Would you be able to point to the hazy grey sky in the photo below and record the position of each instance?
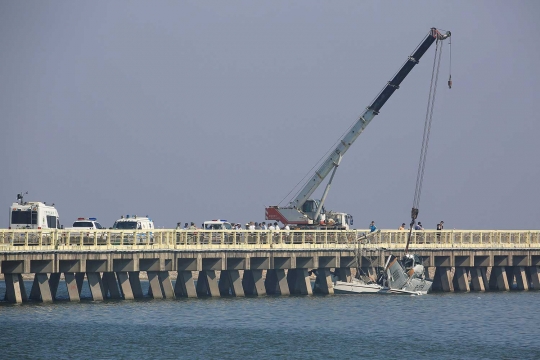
(196, 110)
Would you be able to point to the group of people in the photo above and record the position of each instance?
(235, 226)
(417, 226)
(261, 226)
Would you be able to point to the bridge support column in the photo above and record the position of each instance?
(185, 286)
(72, 288)
(125, 286)
(276, 282)
(44, 287)
(498, 279)
(207, 283)
(110, 285)
(54, 280)
(154, 287)
(344, 274)
(323, 282)
(370, 272)
(79, 278)
(15, 290)
(461, 279)
(230, 283)
(299, 282)
(534, 272)
(166, 284)
(521, 278)
(253, 283)
(442, 281)
(35, 294)
(479, 279)
(96, 286)
(135, 283)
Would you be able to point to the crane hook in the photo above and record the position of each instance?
(450, 82)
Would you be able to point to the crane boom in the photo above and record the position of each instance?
(365, 119)
(335, 156)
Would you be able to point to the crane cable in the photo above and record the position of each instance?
(450, 71)
(425, 139)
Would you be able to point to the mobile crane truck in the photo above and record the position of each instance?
(304, 212)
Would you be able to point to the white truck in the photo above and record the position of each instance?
(32, 215)
(133, 222)
(129, 225)
(217, 225)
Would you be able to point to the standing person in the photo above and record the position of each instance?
(271, 227)
(263, 226)
(440, 227)
(402, 227)
(372, 227)
(186, 226)
(418, 226)
(276, 226)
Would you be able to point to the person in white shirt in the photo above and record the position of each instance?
(276, 226)
(251, 226)
(271, 227)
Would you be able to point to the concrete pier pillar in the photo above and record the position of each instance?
(344, 274)
(96, 286)
(299, 282)
(276, 282)
(324, 281)
(185, 286)
(207, 283)
(498, 279)
(135, 283)
(125, 286)
(461, 279)
(72, 288)
(479, 279)
(111, 286)
(253, 283)
(166, 284)
(521, 278)
(79, 279)
(370, 272)
(534, 273)
(54, 280)
(44, 287)
(14, 291)
(230, 283)
(154, 288)
(442, 281)
(35, 294)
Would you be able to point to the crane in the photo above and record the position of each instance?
(303, 211)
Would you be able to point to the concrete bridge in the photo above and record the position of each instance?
(240, 263)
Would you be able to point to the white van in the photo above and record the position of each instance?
(33, 215)
(133, 222)
(217, 225)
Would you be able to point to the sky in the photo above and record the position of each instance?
(198, 110)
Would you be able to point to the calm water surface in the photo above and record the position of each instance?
(449, 326)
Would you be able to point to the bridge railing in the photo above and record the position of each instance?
(77, 240)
